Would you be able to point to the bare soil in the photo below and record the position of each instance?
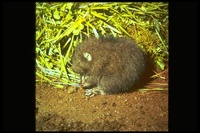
(59, 110)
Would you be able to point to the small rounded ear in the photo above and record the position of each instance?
(87, 56)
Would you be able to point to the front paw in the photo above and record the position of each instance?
(86, 86)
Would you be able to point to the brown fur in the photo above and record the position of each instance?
(114, 65)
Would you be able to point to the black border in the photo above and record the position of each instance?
(19, 70)
(183, 66)
(18, 66)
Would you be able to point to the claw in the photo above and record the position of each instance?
(93, 92)
(90, 92)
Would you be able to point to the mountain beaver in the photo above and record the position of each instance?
(110, 65)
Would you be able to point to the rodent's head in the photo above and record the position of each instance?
(81, 62)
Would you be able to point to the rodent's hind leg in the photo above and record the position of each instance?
(94, 91)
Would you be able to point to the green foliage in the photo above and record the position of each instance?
(61, 26)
